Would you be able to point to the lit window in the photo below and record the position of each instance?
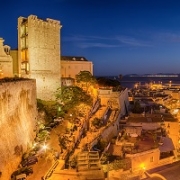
(152, 159)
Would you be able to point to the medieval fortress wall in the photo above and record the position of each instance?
(39, 53)
(18, 113)
(38, 61)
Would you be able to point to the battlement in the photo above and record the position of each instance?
(47, 21)
(53, 21)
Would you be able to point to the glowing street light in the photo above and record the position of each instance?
(170, 83)
(34, 145)
(44, 147)
(136, 85)
(143, 166)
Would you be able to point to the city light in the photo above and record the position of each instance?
(142, 166)
(44, 147)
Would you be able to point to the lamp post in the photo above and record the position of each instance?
(170, 83)
(58, 110)
(45, 147)
(108, 170)
(71, 116)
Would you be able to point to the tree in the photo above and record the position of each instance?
(72, 96)
(137, 108)
(63, 142)
(97, 122)
(106, 82)
(85, 79)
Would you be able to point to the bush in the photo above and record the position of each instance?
(97, 122)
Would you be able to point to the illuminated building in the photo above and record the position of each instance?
(39, 53)
(71, 66)
(6, 67)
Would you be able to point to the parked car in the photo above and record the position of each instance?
(58, 119)
(53, 124)
(48, 128)
(21, 177)
(14, 174)
(29, 161)
(27, 170)
(21, 173)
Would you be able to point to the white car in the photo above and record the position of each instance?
(59, 119)
(21, 177)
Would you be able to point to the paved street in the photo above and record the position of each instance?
(170, 172)
(44, 163)
(39, 169)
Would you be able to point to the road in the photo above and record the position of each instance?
(46, 161)
(169, 172)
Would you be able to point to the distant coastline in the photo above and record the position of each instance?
(130, 79)
(160, 75)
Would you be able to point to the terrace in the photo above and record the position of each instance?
(133, 143)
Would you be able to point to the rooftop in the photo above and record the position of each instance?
(148, 117)
(73, 58)
(13, 79)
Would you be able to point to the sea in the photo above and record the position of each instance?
(129, 82)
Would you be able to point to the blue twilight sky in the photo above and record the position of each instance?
(118, 36)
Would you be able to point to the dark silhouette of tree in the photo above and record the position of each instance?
(137, 108)
(106, 82)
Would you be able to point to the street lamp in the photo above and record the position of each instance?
(58, 110)
(71, 116)
(108, 170)
(44, 147)
(170, 83)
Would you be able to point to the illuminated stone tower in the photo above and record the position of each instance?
(39, 53)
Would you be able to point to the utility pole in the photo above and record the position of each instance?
(108, 170)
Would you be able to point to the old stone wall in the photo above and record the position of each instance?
(18, 114)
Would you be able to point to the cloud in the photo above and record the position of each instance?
(85, 38)
(106, 42)
(91, 41)
(170, 37)
(100, 45)
(133, 42)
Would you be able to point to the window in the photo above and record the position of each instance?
(151, 159)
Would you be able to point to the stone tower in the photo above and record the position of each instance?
(39, 53)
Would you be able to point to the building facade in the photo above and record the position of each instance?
(39, 53)
(6, 63)
(71, 66)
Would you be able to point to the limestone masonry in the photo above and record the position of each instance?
(18, 113)
(39, 53)
(6, 63)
